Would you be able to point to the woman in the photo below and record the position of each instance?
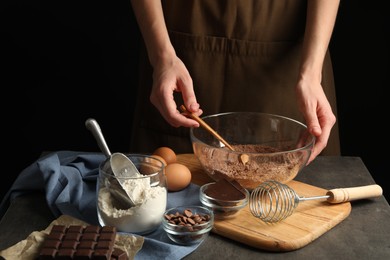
(267, 56)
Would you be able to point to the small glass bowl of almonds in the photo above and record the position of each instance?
(188, 225)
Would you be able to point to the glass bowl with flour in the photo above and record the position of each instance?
(148, 192)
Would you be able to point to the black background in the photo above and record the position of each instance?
(65, 61)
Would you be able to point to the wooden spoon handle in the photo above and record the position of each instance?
(206, 126)
(355, 193)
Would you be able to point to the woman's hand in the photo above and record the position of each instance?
(312, 101)
(169, 73)
(317, 112)
(169, 76)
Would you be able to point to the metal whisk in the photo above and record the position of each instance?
(273, 201)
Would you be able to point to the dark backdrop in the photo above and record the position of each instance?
(360, 51)
(65, 61)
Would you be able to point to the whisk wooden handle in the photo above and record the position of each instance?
(354, 193)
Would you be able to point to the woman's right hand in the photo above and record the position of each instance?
(169, 76)
(169, 72)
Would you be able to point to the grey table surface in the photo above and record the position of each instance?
(364, 234)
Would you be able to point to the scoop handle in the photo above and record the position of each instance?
(354, 193)
(93, 126)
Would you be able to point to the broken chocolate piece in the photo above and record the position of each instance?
(119, 254)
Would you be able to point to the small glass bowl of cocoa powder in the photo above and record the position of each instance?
(188, 225)
(224, 197)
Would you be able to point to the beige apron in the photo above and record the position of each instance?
(242, 55)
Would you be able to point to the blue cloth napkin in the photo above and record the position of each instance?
(68, 179)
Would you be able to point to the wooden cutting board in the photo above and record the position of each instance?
(310, 219)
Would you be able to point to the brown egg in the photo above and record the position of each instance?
(178, 176)
(159, 158)
(166, 153)
(151, 165)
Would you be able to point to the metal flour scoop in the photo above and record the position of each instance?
(121, 165)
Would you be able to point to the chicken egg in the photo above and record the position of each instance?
(159, 158)
(152, 164)
(178, 176)
(166, 153)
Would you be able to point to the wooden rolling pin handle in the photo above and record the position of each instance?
(355, 193)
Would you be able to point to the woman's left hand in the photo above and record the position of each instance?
(317, 112)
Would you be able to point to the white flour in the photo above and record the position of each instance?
(143, 218)
(136, 189)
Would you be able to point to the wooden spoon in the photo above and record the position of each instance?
(244, 157)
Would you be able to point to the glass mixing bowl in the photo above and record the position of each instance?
(266, 147)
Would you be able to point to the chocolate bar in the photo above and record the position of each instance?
(81, 242)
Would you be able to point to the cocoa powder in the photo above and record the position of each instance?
(270, 163)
